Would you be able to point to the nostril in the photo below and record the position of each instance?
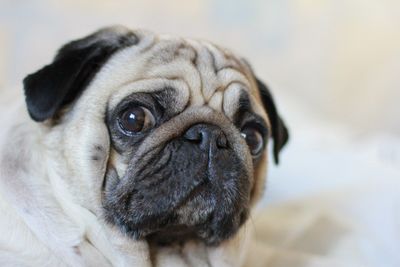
(222, 142)
(193, 135)
(206, 136)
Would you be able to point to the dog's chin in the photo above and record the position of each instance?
(204, 217)
(201, 221)
(179, 234)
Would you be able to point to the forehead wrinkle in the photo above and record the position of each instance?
(213, 56)
(226, 60)
(227, 68)
(222, 58)
(229, 76)
(231, 99)
(167, 61)
(178, 70)
(218, 96)
(219, 63)
(205, 65)
(175, 61)
(216, 101)
(229, 71)
(210, 61)
(234, 63)
(164, 52)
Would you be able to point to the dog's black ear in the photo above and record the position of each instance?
(74, 66)
(280, 134)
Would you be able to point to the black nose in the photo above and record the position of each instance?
(207, 136)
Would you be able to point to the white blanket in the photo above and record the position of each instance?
(357, 226)
(334, 201)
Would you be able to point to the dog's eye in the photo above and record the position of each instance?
(254, 139)
(135, 119)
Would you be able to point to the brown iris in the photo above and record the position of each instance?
(135, 119)
(254, 140)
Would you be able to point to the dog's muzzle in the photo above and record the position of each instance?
(194, 187)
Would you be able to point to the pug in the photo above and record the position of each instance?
(136, 150)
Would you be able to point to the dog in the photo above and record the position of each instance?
(136, 150)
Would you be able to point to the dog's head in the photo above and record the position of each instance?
(163, 137)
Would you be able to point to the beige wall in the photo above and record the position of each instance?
(3, 51)
(337, 59)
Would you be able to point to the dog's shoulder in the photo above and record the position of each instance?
(14, 164)
(31, 211)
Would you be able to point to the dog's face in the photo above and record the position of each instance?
(162, 137)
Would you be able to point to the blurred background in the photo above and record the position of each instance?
(332, 65)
